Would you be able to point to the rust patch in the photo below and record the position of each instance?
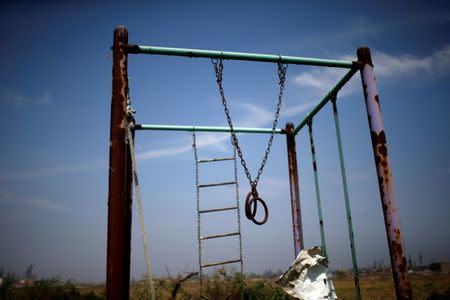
(377, 100)
(382, 149)
(380, 185)
(381, 159)
(397, 248)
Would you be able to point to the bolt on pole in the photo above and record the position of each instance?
(120, 180)
(294, 188)
(379, 145)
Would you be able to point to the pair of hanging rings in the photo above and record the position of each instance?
(251, 207)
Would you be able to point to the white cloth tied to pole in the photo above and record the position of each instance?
(308, 277)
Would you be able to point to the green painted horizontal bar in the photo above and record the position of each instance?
(206, 128)
(327, 98)
(241, 56)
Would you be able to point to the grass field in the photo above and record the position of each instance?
(425, 285)
(222, 286)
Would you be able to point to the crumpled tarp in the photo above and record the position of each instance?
(308, 277)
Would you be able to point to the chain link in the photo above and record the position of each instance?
(218, 68)
(238, 207)
(194, 146)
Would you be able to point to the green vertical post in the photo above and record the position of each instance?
(347, 202)
(316, 182)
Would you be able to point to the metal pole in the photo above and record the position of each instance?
(119, 190)
(295, 193)
(137, 49)
(379, 145)
(325, 99)
(206, 128)
(316, 183)
(346, 198)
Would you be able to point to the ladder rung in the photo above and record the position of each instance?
(218, 235)
(217, 209)
(217, 184)
(221, 263)
(214, 159)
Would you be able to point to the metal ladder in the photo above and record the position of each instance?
(215, 210)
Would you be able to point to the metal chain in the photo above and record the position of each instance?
(194, 146)
(218, 68)
(238, 208)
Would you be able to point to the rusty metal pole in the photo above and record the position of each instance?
(120, 193)
(379, 145)
(295, 193)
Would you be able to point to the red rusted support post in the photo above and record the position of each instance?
(295, 193)
(119, 194)
(391, 218)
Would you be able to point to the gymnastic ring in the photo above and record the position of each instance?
(248, 213)
(266, 211)
(251, 215)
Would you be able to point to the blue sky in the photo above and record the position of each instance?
(55, 92)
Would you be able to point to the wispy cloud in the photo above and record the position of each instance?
(9, 97)
(274, 186)
(53, 171)
(13, 199)
(163, 152)
(361, 28)
(45, 204)
(437, 63)
(258, 117)
(320, 81)
(386, 67)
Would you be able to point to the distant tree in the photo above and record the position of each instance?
(420, 258)
(410, 261)
(29, 272)
(1, 272)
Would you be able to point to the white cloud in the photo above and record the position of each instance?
(256, 117)
(45, 98)
(54, 171)
(163, 152)
(45, 204)
(18, 99)
(390, 66)
(320, 81)
(10, 198)
(298, 109)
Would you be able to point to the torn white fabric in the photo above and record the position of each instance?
(308, 277)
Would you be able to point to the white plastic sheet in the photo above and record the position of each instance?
(308, 277)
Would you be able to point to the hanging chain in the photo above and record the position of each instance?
(238, 207)
(194, 146)
(218, 68)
